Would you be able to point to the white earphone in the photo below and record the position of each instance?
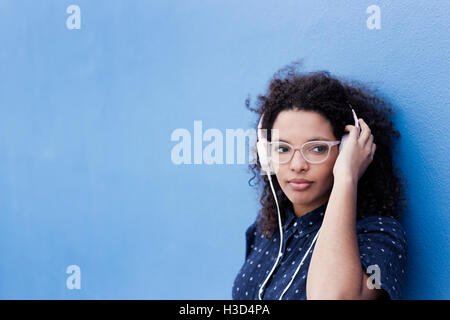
(266, 166)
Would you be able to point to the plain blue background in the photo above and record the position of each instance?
(86, 116)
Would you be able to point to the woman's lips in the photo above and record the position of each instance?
(300, 186)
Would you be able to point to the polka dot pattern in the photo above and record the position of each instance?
(381, 240)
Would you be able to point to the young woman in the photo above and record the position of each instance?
(339, 209)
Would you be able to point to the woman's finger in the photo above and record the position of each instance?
(351, 130)
(348, 128)
(365, 131)
(370, 140)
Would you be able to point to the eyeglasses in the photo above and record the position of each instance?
(312, 151)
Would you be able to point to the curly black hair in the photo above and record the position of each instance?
(380, 189)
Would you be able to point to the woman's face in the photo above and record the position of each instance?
(297, 127)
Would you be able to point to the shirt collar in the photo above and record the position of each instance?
(306, 222)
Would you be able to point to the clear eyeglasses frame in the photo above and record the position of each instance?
(309, 146)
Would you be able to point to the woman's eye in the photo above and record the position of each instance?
(321, 149)
(282, 149)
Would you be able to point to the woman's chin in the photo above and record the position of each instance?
(298, 197)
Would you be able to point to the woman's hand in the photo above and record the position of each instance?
(357, 153)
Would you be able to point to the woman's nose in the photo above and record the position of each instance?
(298, 162)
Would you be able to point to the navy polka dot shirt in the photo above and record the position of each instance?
(382, 247)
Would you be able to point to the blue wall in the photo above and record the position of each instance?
(86, 117)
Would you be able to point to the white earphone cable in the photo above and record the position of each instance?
(301, 263)
(281, 245)
(281, 238)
